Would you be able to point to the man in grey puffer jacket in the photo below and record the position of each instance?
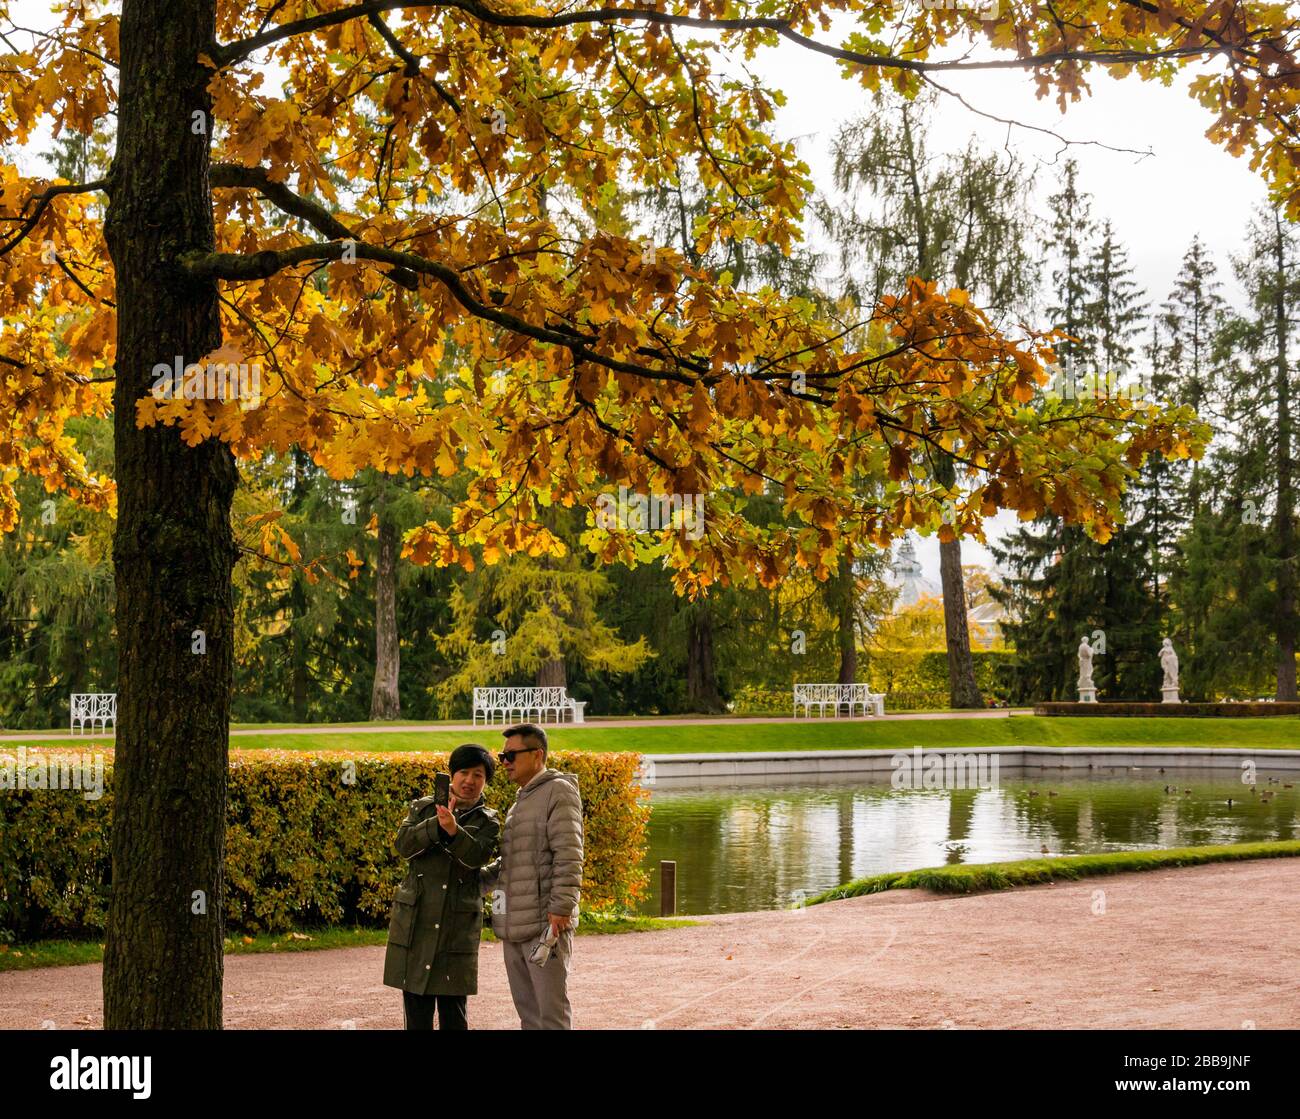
(536, 882)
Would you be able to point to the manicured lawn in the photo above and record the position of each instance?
(61, 953)
(1282, 732)
(1028, 872)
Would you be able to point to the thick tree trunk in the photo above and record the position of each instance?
(847, 631)
(299, 635)
(552, 674)
(962, 689)
(299, 670)
(172, 552)
(1284, 532)
(384, 700)
(701, 675)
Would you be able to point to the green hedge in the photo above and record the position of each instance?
(910, 681)
(309, 840)
(1147, 710)
(927, 673)
(974, 877)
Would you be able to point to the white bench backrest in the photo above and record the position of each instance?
(832, 693)
(520, 699)
(93, 707)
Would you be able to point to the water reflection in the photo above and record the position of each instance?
(744, 846)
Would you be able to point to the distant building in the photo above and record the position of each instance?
(913, 586)
(988, 616)
(985, 620)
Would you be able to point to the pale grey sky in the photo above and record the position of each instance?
(1156, 202)
(1187, 185)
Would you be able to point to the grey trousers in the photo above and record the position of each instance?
(541, 994)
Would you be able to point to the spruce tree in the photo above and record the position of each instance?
(1062, 585)
(1070, 227)
(1114, 311)
(1193, 317)
(1257, 393)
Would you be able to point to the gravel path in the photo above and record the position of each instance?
(1205, 947)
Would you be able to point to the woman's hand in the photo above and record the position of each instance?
(446, 820)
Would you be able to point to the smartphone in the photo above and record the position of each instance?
(441, 788)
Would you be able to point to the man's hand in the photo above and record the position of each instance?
(446, 820)
(558, 923)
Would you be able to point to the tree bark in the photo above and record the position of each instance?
(299, 635)
(701, 674)
(847, 631)
(1284, 534)
(299, 669)
(962, 689)
(385, 703)
(552, 674)
(173, 551)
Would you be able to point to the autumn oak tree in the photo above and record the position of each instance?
(410, 217)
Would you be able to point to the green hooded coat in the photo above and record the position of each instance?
(433, 938)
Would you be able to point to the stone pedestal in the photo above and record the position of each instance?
(1089, 695)
(1169, 695)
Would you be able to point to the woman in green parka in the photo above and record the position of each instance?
(433, 938)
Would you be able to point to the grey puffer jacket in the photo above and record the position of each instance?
(540, 868)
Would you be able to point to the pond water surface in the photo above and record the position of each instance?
(745, 847)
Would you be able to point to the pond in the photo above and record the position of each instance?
(746, 847)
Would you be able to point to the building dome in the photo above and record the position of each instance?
(913, 586)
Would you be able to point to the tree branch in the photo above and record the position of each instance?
(279, 194)
(80, 378)
(42, 202)
(260, 266)
(229, 53)
(413, 61)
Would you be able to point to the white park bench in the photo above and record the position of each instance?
(836, 696)
(93, 708)
(520, 704)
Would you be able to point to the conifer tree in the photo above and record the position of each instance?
(959, 218)
(1061, 584)
(1251, 543)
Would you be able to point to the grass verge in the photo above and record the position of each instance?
(1276, 732)
(1029, 872)
(64, 953)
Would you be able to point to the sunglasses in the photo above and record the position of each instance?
(508, 756)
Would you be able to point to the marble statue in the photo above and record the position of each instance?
(1087, 690)
(1169, 662)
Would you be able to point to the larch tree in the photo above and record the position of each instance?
(622, 363)
(962, 218)
(524, 617)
